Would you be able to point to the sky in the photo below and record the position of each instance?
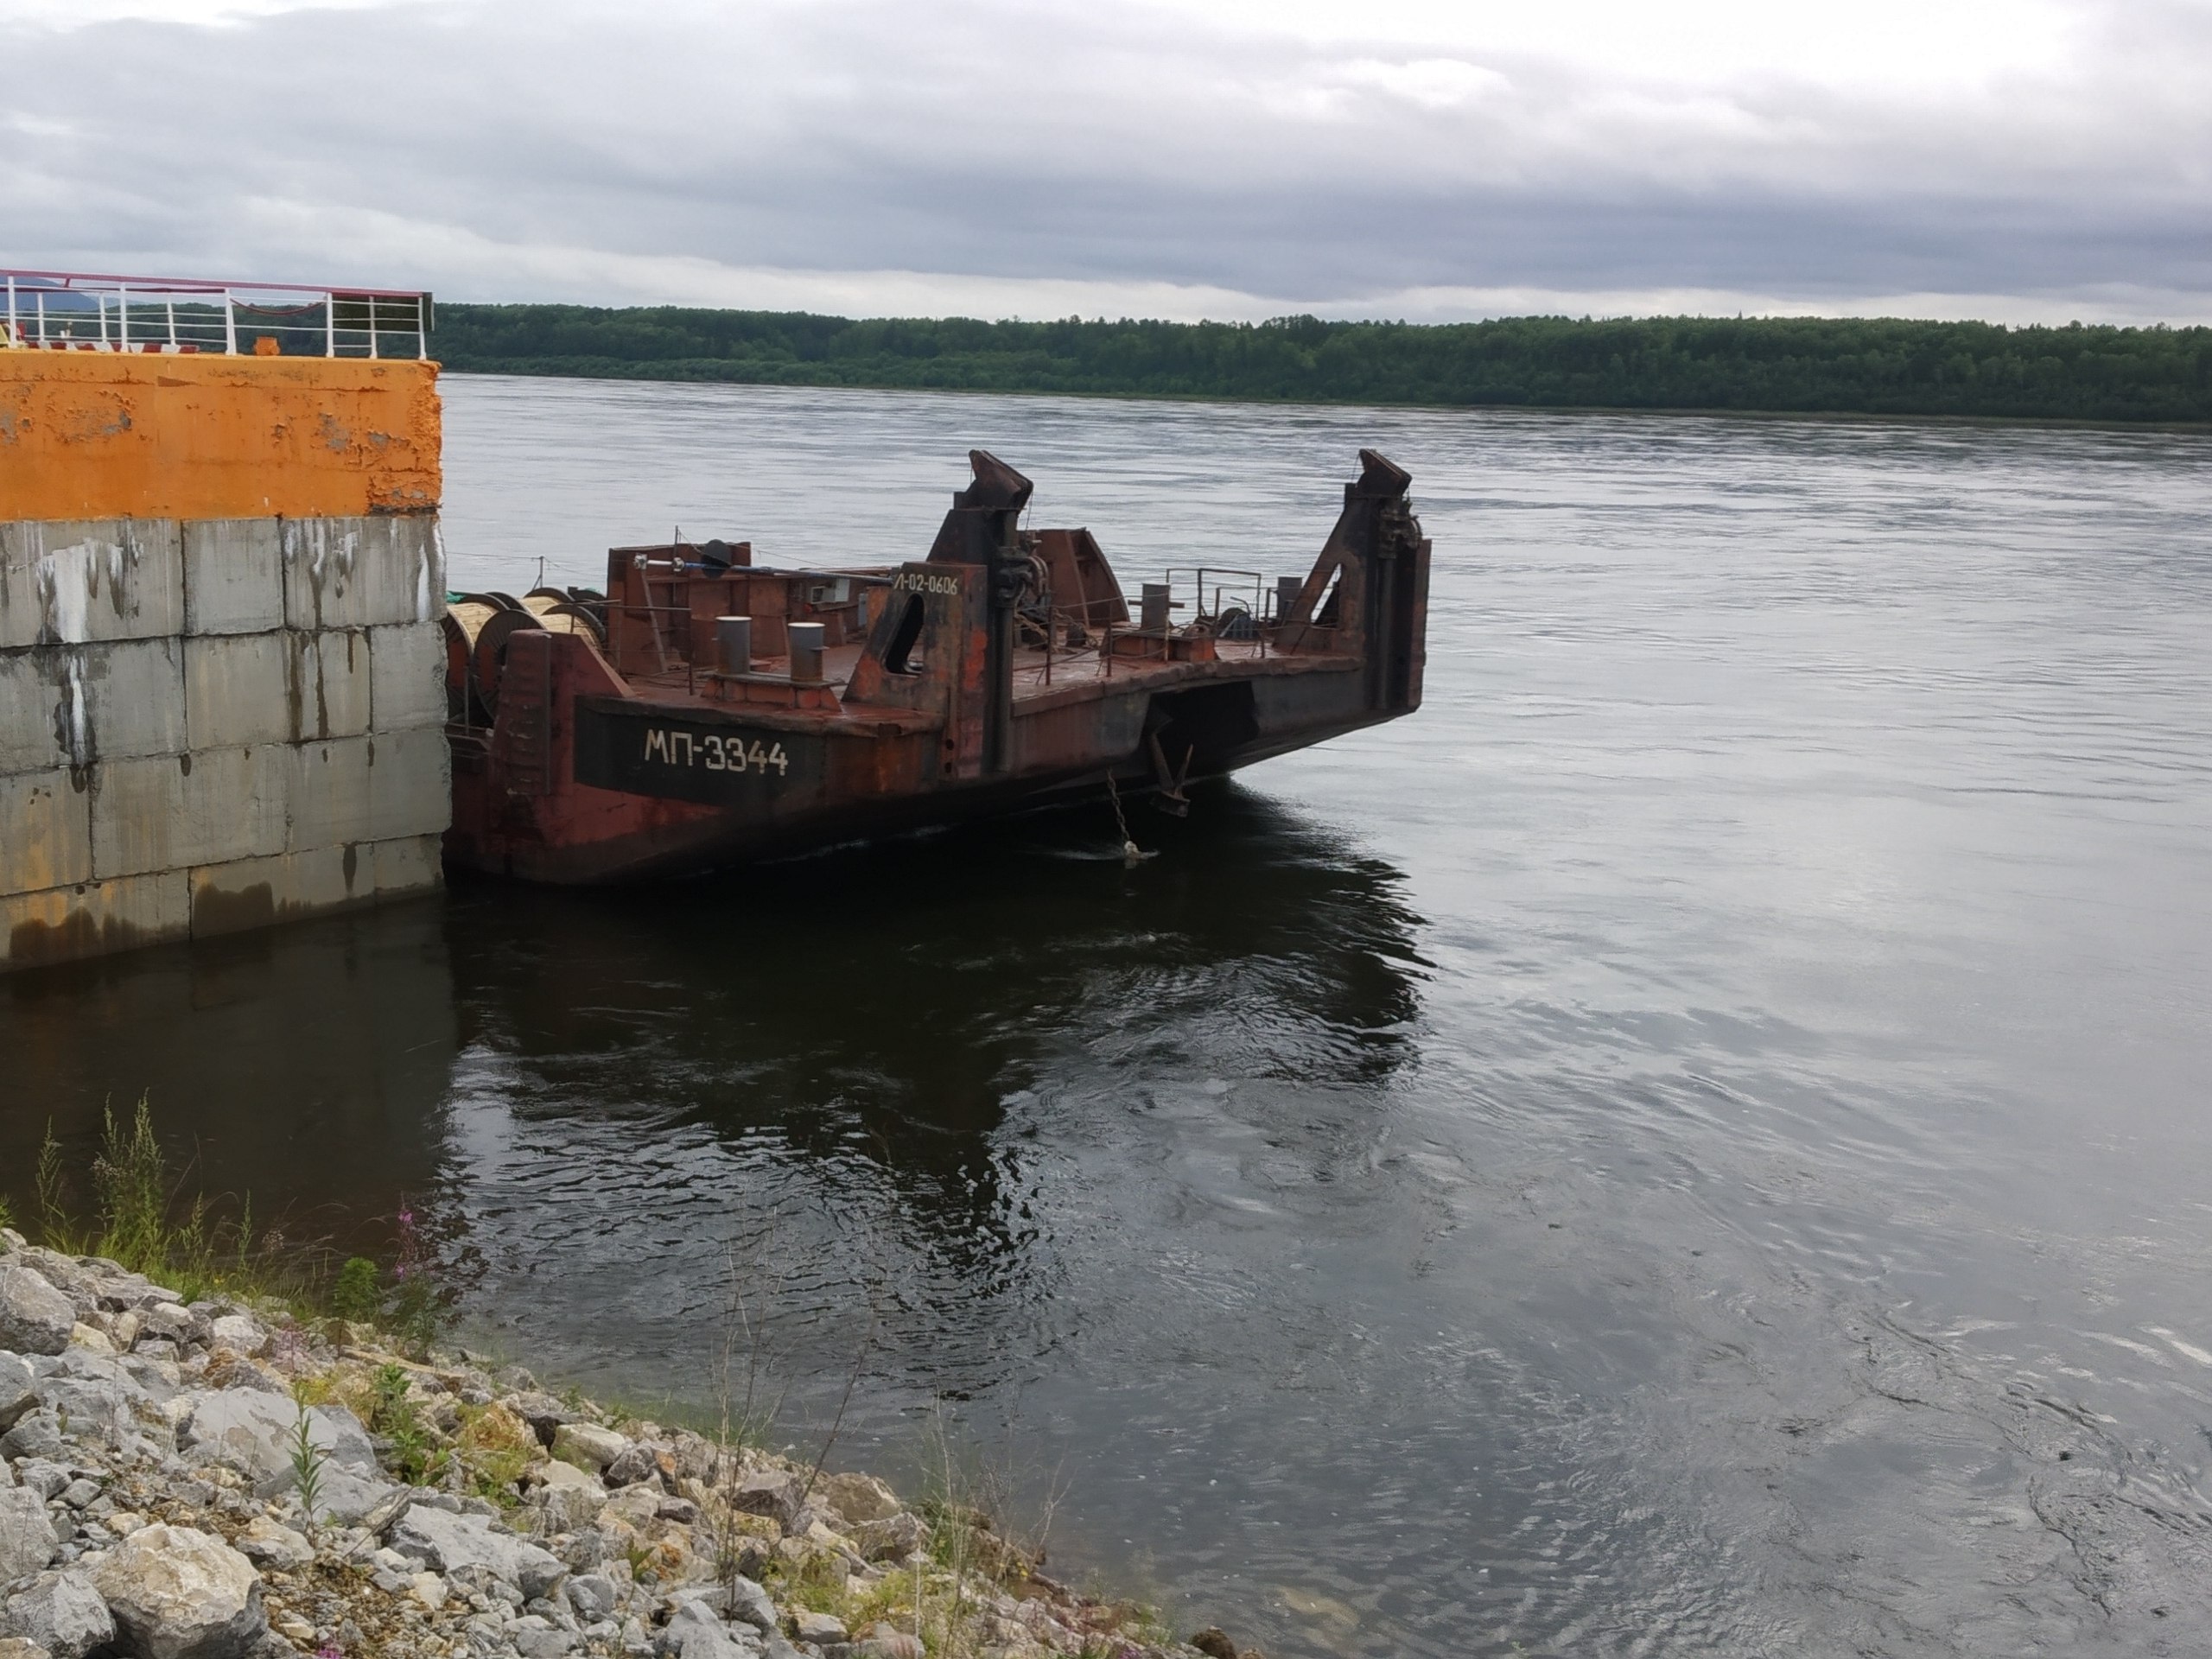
(2021, 161)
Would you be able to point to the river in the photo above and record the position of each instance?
(1696, 1142)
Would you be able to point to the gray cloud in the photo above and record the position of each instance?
(1032, 155)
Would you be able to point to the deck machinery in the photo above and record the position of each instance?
(705, 710)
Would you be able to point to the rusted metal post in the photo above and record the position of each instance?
(1152, 610)
(1288, 589)
(734, 635)
(806, 639)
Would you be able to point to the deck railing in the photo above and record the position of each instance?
(60, 310)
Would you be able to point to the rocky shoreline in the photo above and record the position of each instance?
(212, 1480)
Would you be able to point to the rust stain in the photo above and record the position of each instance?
(96, 417)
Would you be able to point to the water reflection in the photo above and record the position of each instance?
(824, 1062)
(309, 1065)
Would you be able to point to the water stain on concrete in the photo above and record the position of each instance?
(218, 910)
(79, 934)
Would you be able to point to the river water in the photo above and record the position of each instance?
(1695, 1143)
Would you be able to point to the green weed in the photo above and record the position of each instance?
(141, 1217)
(357, 1294)
(51, 1184)
(306, 1459)
(414, 1453)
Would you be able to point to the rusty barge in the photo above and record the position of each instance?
(705, 710)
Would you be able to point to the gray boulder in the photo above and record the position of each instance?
(17, 1396)
(449, 1543)
(593, 1595)
(568, 1496)
(587, 1549)
(78, 1283)
(62, 1614)
(34, 1317)
(27, 1537)
(587, 1445)
(542, 1411)
(170, 1322)
(46, 1478)
(91, 1389)
(639, 1463)
(125, 1292)
(36, 1434)
(891, 1539)
(860, 1497)
(694, 1632)
(179, 1593)
(749, 1604)
(766, 1493)
(540, 1638)
(16, 1647)
(253, 1432)
(240, 1333)
(268, 1543)
(818, 1628)
(347, 1495)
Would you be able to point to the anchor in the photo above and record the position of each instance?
(1170, 798)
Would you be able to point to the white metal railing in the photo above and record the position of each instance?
(58, 310)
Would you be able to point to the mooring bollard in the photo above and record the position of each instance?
(1288, 589)
(806, 652)
(734, 636)
(1152, 610)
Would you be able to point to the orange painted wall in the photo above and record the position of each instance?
(97, 434)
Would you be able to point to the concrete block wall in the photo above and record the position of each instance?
(208, 725)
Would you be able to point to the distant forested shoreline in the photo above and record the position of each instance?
(1778, 365)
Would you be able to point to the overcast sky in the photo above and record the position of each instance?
(2025, 160)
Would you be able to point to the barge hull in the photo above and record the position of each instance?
(944, 706)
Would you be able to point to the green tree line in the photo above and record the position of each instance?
(1876, 366)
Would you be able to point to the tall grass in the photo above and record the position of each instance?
(142, 1220)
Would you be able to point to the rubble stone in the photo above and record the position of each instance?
(27, 1537)
(34, 1317)
(453, 1543)
(588, 1444)
(177, 1592)
(62, 1614)
(170, 1463)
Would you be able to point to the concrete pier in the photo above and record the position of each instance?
(221, 676)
